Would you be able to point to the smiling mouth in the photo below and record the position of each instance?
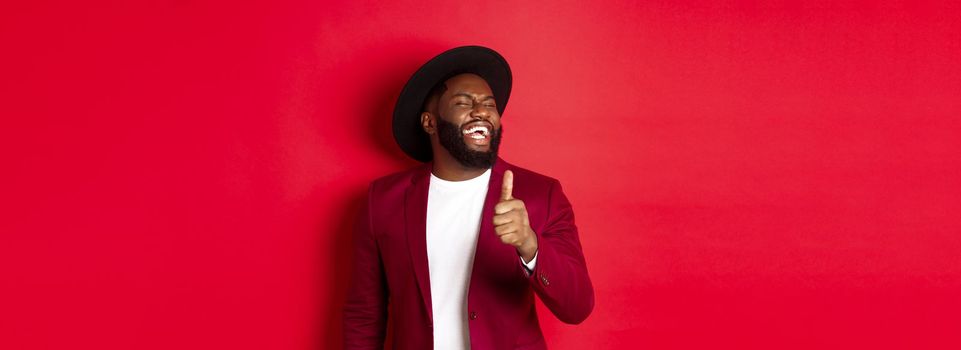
(477, 132)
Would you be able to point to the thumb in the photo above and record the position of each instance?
(508, 186)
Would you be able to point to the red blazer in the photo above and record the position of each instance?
(390, 263)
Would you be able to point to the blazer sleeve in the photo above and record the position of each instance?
(365, 310)
(560, 277)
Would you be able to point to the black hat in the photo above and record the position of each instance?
(486, 63)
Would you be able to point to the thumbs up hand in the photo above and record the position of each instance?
(511, 222)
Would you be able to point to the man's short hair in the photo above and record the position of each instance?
(434, 96)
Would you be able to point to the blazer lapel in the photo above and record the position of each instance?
(415, 208)
(491, 257)
(487, 235)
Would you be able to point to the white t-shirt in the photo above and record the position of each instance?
(453, 223)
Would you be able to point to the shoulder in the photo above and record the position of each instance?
(542, 195)
(400, 179)
(386, 193)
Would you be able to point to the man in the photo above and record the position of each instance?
(460, 245)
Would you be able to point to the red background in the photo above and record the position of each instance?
(750, 175)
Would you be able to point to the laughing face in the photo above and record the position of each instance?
(464, 121)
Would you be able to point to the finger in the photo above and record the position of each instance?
(502, 219)
(504, 207)
(511, 239)
(508, 186)
(505, 229)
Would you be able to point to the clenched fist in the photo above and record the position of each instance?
(511, 223)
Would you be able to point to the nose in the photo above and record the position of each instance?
(480, 112)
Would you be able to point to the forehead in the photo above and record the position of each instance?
(469, 83)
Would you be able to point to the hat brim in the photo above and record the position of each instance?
(484, 62)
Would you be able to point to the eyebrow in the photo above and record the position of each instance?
(484, 97)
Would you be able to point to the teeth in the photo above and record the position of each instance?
(482, 129)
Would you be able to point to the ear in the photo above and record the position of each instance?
(427, 122)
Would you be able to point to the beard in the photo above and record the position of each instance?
(452, 140)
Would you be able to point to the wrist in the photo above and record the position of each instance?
(528, 249)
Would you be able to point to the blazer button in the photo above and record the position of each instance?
(544, 280)
(473, 315)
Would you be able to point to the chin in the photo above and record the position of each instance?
(479, 149)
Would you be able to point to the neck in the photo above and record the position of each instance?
(448, 168)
